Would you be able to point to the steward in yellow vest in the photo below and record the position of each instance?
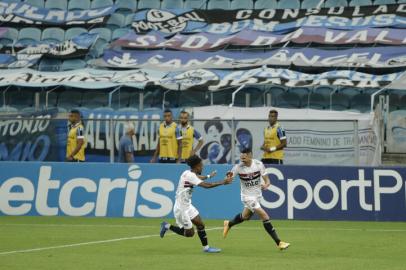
(167, 148)
(75, 142)
(274, 141)
(187, 135)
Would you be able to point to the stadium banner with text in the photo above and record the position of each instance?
(257, 39)
(26, 55)
(166, 60)
(326, 139)
(17, 14)
(100, 138)
(396, 132)
(231, 21)
(212, 79)
(148, 191)
(33, 138)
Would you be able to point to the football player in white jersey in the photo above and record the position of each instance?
(250, 172)
(185, 213)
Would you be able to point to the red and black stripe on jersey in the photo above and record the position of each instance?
(249, 176)
(188, 184)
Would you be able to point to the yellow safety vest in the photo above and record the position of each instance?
(271, 139)
(168, 143)
(72, 142)
(187, 141)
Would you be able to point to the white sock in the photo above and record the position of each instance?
(206, 247)
(167, 225)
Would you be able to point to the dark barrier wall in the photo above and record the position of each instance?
(148, 190)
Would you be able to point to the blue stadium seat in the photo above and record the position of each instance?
(128, 20)
(8, 109)
(350, 91)
(360, 3)
(289, 4)
(79, 5)
(288, 100)
(35, 3)
(401, 1)
(104, 33)
(324, 90)
(53, 35)
(318, 102)
(9, 37)
(73, 64)
(171, 4)
(340, 102)
(101, 3)
(70, 98)
(120, 32)
(242, 4)
(73, 32)
(98, 49)
(312, 4)
(48, 64)
(384, 2)
(126, 6)
(115, 21)
(20, 98)
(11, 1)
(128, 110)
(262, 4)
(94, 98)
(219, 4)
(29, 35)
(196, 4)
(336, 3)
(57, 4)
(149, 4)
(361, 102)
(303, 93)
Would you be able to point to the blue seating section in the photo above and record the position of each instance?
(119, 24)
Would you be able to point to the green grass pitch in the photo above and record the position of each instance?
(108, 243)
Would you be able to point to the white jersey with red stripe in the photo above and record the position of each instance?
(250, 178)
(188, 180)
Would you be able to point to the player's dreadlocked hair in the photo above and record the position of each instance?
(192, 161)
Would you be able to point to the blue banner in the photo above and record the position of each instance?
(148, 190)
(384, 57)
(232, 21)
(25, 14)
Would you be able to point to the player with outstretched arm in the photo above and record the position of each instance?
(185, 213)
(250, 172)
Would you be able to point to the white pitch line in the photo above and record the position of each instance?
(88, 243)
(239, 228)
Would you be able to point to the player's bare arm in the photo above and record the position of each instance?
(266, 183)
(226, 181)
(205, 177)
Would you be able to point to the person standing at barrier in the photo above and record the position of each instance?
(185, 213)
(167, 148)
(75, 146)
(126, 146)
(253, 179)
(187, 134)
(274, 140)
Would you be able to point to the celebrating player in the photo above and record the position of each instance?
(250, 172)
(185, 213)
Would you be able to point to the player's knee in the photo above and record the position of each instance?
(190, 232)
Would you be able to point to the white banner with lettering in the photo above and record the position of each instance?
(314, 137)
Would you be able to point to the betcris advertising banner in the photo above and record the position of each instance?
(148, 190)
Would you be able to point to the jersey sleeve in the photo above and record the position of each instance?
(80, 133)
(197, 135)
(193, 179)
(281, 133)
(234, 170)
